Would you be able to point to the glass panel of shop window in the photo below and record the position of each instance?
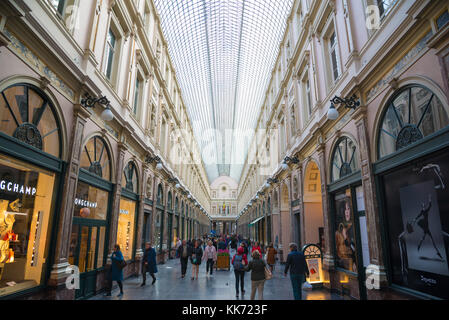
(92, 249)
(36, 106)
(363, 226)
(82, 261)
(26, 197)
(7, 122)
(90, 202)
(73, 244)
(16, 100)
(345, 242)
(101, 239)
(49, 130)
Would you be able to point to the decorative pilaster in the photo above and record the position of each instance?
(301, 178)
(117, 192)
(143, 189)
(58, 273)
(328, 261)
(371, 209)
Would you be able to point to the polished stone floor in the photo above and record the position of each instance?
(170, 286)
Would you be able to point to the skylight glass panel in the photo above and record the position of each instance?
(223, 52)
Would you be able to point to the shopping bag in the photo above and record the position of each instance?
(307, 286)
(268, 274)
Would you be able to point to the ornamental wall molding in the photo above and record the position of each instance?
(399, 67)
(32, 60)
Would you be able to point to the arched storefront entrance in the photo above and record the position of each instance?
(313, 206)
(286, 230)
(31, 174)
(412, 179)
(91, 217)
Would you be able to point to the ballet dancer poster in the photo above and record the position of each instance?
(423, 232)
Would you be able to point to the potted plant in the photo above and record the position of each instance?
(223, 258)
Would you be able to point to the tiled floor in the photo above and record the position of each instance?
(170, 286)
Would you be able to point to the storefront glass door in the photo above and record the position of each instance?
(85, 247)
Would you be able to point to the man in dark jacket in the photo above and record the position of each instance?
(297, 264)
(149, 263)
(184, 251)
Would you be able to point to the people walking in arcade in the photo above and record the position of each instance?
(195, 259)
(257, 268)
(116, 274)
(210, 256)
(239, 261)
(297, 265)
(149, 263)
(184, 252)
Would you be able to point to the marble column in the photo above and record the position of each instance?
(65, 217)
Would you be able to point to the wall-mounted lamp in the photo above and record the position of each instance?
(90, 102)
(349, 103)
(288, 160)
(156, 159)
(270, 181)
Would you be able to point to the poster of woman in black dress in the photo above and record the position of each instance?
(344, 235)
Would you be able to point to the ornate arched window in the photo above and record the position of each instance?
(176, 204)
(28, 115)
(130, 178)
(160, 195)
(344, 159)
(182, 208)
(414, 112)
(95, 158)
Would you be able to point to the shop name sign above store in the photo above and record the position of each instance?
(17, 188)
(86, 204)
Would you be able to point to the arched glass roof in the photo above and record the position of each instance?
(223, 52)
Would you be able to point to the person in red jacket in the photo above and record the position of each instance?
(256, 247)
(239, 262)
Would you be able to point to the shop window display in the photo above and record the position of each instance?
(345, 232)
(157, 231)
(91, 202)
(418, 224)
(125, 231)
(26, 197)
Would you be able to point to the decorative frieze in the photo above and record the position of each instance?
(38, 65)
(398, 67)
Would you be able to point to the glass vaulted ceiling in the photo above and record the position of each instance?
(223, 52)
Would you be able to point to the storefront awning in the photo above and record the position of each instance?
(257, 220)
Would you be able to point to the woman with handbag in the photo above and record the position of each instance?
(258, 269)
(116, 273)
(195, 259)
